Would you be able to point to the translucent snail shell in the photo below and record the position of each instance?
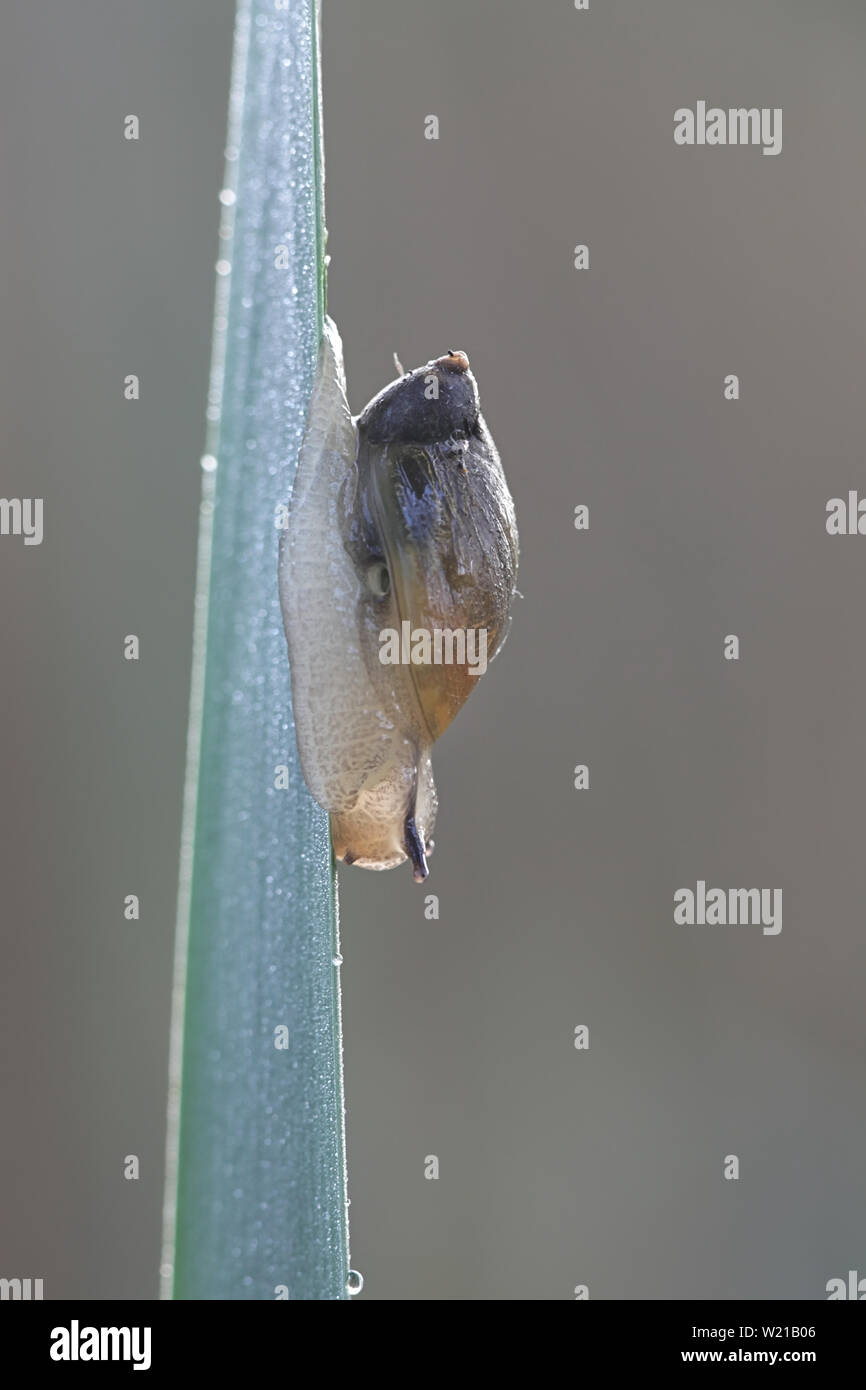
(400, 523)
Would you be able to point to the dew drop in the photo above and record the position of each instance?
(209, 463)
(228, 198)
(338, 960)
(354, 1283)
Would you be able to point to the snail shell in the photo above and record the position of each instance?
(399, 516)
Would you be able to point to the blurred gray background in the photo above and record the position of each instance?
(601, 387)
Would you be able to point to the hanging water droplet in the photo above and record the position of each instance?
(354, 1283)
(338, 959)
(228, 197)
(208, 463)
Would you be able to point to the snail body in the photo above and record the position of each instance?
(401, 543)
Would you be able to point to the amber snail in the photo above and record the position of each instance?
(401, 542)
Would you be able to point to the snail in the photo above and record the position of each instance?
(396, 577)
